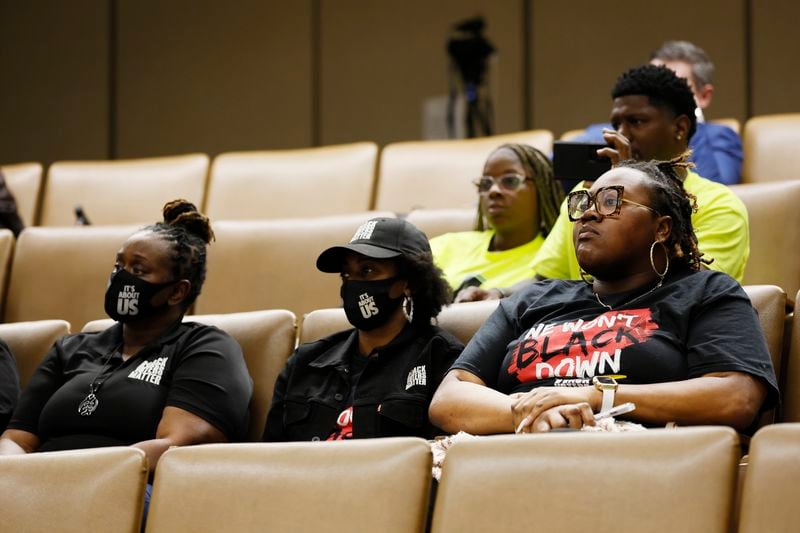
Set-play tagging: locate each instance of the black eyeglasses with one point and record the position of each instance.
(507, 182)
(607, 202)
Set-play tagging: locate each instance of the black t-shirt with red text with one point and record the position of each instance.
(556, 333)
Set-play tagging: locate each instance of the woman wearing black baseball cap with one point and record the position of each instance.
(377, 379)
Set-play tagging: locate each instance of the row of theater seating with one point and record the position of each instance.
(686, 479)
(61, 272)
(268, 338)
(317, 181)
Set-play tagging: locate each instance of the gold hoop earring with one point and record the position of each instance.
(587, 280)
(661, 275)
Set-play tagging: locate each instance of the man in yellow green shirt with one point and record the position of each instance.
(653, 115)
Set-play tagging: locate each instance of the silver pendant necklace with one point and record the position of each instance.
(89, 404)
(597, 296)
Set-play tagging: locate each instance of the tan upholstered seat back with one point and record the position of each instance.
(770, 148)
(790, 404)
(267, 340)
(121, 192)
(379, 485)
(731, 123)
(6, 252)
(30, 342)
(439, 174)
(63, 273)
(25, 182)
(271, 264)
(772, 485)
(311, 182)
(770, 303)
(774, 213)
(571, 134)
(658, 480)
(75, 491)
(435, 222)
(462, 320)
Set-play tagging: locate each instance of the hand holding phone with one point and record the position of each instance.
(579, 161)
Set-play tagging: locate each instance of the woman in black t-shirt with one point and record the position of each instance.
(377, 379)
(652, 326)
(150, 381)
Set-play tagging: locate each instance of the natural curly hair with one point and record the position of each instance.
(662, 87)
(549, 192)
(429, 290)
(189, 231)
(669, 197)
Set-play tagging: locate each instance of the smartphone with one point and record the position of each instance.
(579, 161)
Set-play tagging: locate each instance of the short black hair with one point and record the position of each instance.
(662, 87)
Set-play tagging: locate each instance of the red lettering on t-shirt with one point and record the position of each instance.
(344, 426)
(580, 348)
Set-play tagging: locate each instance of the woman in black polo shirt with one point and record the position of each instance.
(376, 380)
(150, 381)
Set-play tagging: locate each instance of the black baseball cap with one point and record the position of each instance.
(378, 238)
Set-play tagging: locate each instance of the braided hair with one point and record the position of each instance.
(548, 191)
(189, 231)
(669, 197)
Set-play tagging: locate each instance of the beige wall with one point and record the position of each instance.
(381, 60)
(776, 55)
(581, 46)
(53, 80)
(213, 76)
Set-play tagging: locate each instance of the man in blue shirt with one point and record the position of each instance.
(716, 149)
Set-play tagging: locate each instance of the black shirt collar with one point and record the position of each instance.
(339, 355)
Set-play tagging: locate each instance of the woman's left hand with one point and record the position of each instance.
(573, 415)
(532, 405)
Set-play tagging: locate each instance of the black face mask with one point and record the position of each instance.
(367, 304)
(128, 297)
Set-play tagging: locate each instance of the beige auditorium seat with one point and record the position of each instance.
(571, 134)
(435, 222)
(129, 191)
(770, 303)
(790, 401)
(24, 180)
(62, 273)
(292, 183)
(370, 485)
(6, 253)
(772, 485)
(462, 320)
(732, 123)
(271, 264)
(439, 174)
(774, 237)
(267, 340)
(73, 491)
(30, 342)
(658, 480)
(770, 148)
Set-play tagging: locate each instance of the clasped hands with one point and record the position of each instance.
(546, 408)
